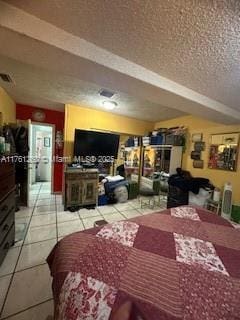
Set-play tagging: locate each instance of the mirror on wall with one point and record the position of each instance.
(148, 162)
(132, 158)
(223, 151)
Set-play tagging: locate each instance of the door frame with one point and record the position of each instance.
(53, 148)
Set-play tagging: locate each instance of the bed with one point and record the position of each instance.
(181, 263)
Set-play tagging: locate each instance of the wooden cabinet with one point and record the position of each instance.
(89, 191)
(81, 187)
(74, 192)
(7, 207)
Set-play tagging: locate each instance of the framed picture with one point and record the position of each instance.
(196, 155)
(199, 146)
(223, 152)
(198, 164)
(197, 137)
(46, 142)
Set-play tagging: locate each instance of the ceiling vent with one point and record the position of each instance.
(6, 77)
(106, 93)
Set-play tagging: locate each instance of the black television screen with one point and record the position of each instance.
(93, 143)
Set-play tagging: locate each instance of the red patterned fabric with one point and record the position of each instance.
(183, 263)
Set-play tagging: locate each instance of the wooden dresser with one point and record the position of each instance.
(81, 188)
(7, 207)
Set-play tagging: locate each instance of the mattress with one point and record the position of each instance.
(181, 263)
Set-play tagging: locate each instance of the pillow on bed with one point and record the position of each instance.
(127, 311)
(123, 312)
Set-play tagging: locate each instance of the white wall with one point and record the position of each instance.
(46, 154)
(44, 170)
(32, 154)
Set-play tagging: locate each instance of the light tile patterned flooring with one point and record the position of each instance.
(25, 282)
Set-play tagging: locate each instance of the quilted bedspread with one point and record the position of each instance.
(181, 263)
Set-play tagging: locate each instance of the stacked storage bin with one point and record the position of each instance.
(129, 142)
(155, 140)
(146, 141)
(136, 141)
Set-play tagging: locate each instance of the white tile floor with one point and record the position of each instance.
(25, 282)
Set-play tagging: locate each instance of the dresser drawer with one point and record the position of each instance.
(7, 184)
(7, 205)
(7, 243)
(80, 176)
(89, 176)
(6, 224)
(6, 168)
(70, 176)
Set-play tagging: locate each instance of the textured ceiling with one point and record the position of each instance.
(194, 43)
(36, 86)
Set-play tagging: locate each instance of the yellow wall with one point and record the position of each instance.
(85, 118)
(7, 107)
(198, 125)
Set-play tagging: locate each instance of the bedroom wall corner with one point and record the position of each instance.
(77, 117)
(207, 128)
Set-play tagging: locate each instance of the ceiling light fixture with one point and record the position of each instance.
(109, 105)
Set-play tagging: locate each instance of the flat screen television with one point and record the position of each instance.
(93, 143)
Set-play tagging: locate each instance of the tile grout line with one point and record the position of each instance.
(101, 214)
(31, 267)
(38, 304)
(122, 212)
(43, 213)
(42, 225)
(123, 215)
(81, 220)
(27, 244)
(117, 211)
(104, 218)
(96, 208)
(77, 219)
(21, 248)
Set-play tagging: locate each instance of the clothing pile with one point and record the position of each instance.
(185, 189)
(115, 187)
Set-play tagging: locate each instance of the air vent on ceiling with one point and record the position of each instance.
(106, 93)
(5, 77)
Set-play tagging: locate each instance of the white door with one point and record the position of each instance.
(27, 166)
(30, 161)
(41, 152)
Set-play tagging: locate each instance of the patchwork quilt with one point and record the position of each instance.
(181, 263)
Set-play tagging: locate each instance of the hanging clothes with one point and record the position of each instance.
(21, 141)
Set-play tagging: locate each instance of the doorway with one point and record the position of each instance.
(40, 173)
